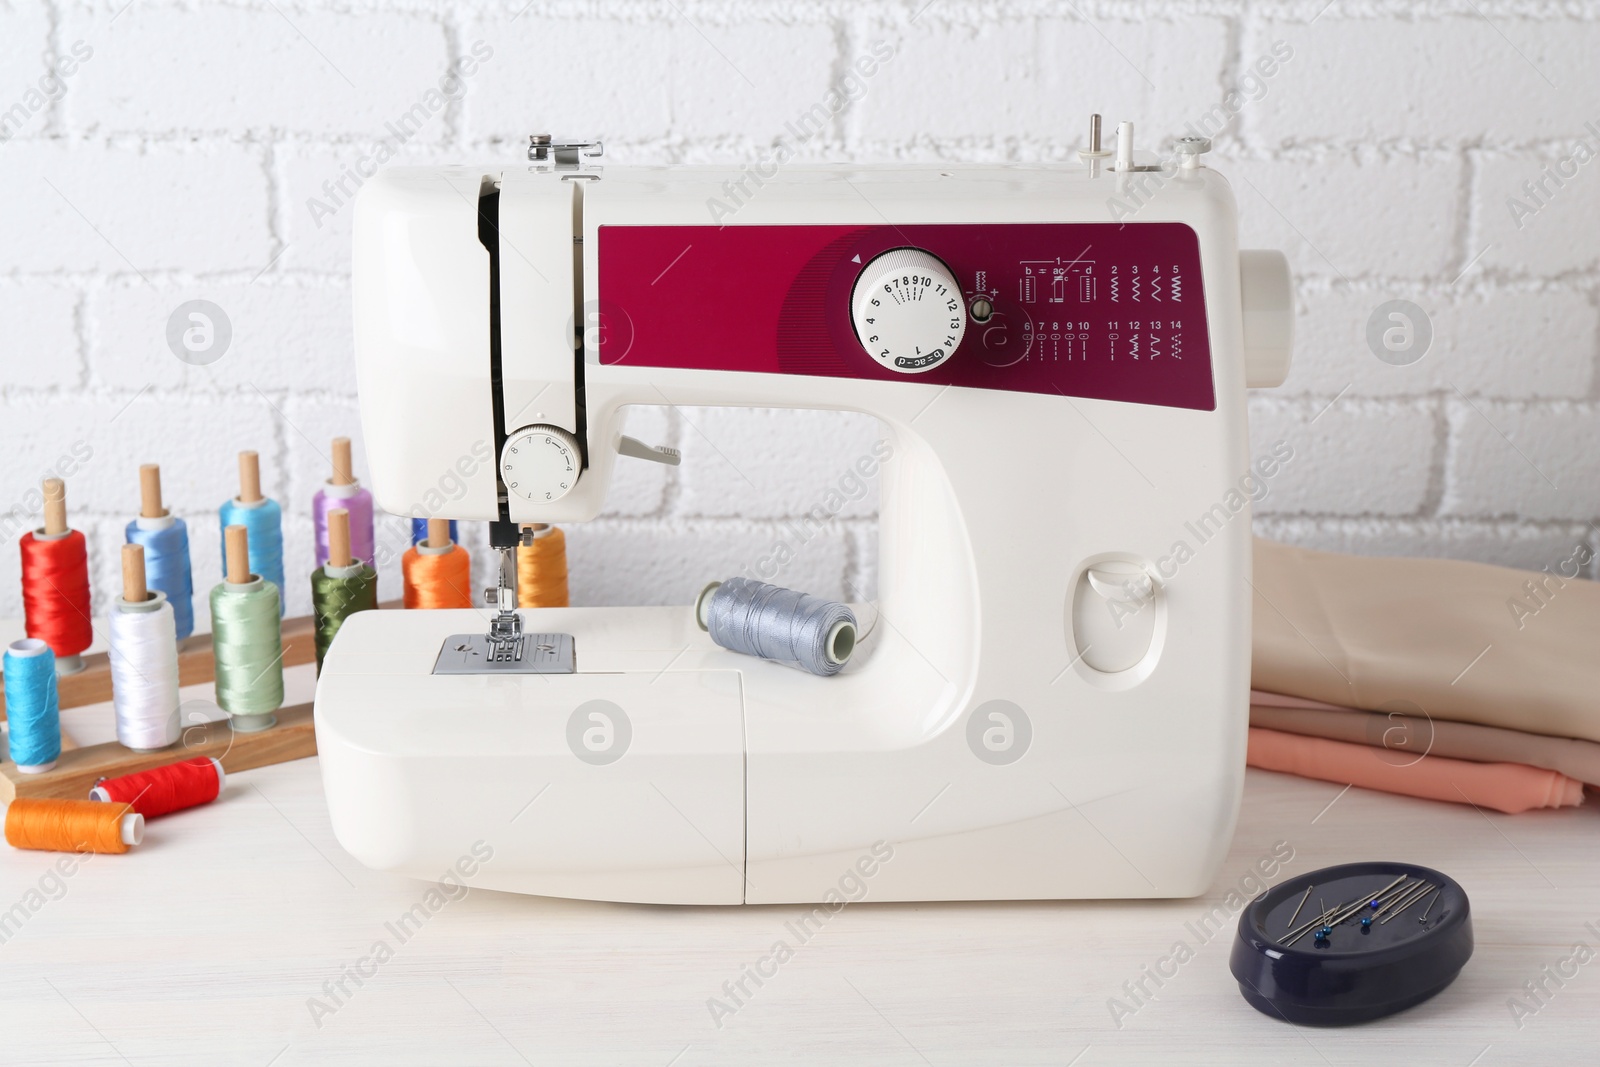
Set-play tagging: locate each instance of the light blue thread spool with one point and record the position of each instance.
(32, 705)
(264, 520)
(788, 627)
(166, 565)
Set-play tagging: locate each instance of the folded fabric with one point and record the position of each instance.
(1405, 737)
(1462, 641)
(1507, 787)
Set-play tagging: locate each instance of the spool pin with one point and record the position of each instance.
(339, 558)
(134, 589)
(249, 478)
(237, 540)
(343, 466)
(150, 492)
(55, 508)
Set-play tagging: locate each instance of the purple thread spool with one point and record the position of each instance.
(358, 502)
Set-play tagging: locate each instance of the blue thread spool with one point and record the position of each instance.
(419, 531)
(166, 564)
(32, 705)
(165, 541)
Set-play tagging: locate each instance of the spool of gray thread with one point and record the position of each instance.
(782, 625)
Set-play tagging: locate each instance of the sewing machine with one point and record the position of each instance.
(1049, 696)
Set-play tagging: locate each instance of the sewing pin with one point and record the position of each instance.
(1341, 912)
(1306, 928)
(1410, 900)
(1396, 900)
(1431, 903)
(1296, 915)
(1385, 896)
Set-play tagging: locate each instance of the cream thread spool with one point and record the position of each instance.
(144, 660)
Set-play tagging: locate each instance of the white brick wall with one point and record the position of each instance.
(1382, 156)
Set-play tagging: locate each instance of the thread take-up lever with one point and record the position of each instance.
(637, 449)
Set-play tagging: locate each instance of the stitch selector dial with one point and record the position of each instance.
(907, 311)
(540, 463)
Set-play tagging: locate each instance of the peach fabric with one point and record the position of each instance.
(1405, 735)
(1507, 787)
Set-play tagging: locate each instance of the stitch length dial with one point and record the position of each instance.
(540, 463)
(907, 311)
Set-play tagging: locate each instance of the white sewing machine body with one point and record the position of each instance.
(1055, 458)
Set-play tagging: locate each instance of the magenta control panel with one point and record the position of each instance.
(1099, 310)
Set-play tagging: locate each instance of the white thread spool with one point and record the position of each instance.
(144, 661)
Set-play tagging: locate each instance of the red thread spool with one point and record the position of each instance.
(163, 790)
(55, 591)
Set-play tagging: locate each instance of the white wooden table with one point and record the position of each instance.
(208, 943)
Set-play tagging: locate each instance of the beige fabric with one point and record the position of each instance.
(1464, 641)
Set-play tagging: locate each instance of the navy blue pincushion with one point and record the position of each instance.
(1351, 943)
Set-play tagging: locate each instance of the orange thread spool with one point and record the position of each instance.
(437, 580)
(542, 569)
(72, 825)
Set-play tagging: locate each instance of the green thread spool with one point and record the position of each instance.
(247, 644)
(336, 594)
